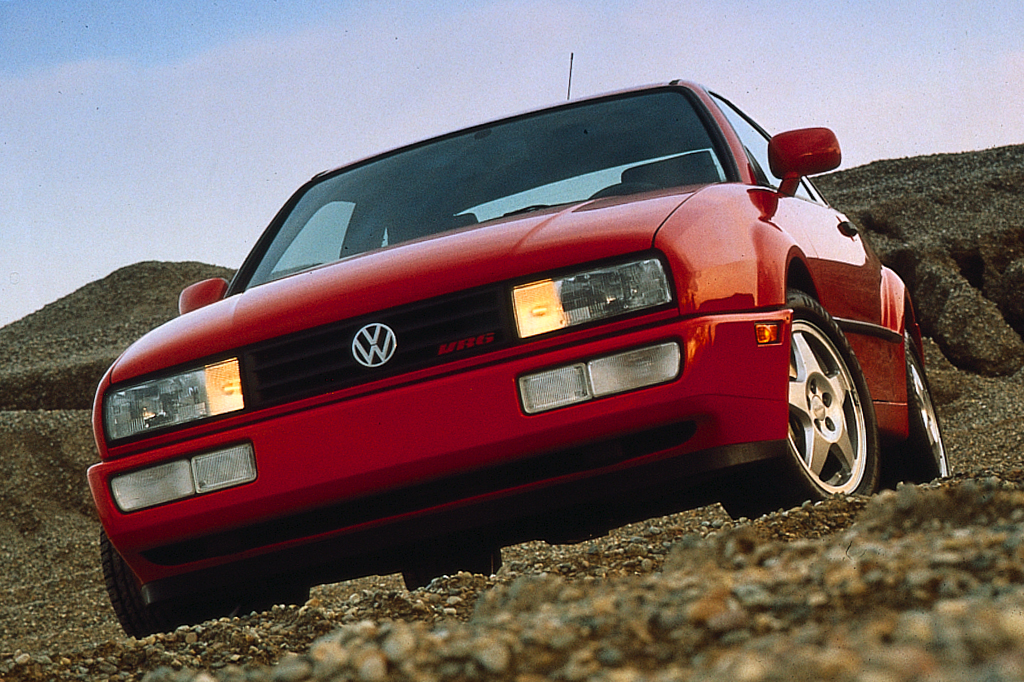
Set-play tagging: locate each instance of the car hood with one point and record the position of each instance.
(496, 251)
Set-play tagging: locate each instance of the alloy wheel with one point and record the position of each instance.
(927, 417)
(827, 427)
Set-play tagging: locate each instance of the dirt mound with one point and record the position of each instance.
(53, 361)
(54, 358)
(952, 225)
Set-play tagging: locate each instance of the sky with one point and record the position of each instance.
(173, 130)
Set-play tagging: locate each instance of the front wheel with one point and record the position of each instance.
(139, 619)
(136, 618)
(833, 435)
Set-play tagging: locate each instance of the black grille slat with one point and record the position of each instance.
(268, 383)
(320, 360)
(292, 352)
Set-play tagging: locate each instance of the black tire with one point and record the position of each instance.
(922, 457)
(137, 619)
(833, 433)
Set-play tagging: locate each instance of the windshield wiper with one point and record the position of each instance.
(527, 209)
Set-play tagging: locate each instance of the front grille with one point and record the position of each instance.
(429, 332)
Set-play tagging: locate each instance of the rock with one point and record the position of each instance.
(492, 655)
(1008, 294)
(969, 328)
(950, 225)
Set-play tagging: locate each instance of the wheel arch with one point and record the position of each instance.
(911, 326)
(898, 316)
(897, 310)
(798, 276)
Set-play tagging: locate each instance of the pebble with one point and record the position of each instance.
(952, 608)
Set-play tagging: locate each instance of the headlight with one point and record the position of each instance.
(205, 392)
(551, 304)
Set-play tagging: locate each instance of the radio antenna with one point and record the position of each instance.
(568, 93)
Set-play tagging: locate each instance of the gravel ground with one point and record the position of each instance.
(922, 583)
(926, 582)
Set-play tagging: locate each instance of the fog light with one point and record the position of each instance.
(634, 369)
(600, 377)
(224, 468)
(554, 388)
(183, 478)
(153, 486)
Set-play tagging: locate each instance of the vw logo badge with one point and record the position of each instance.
(374, 345)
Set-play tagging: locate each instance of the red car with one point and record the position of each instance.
(540, 327)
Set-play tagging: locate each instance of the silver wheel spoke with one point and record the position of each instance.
(846, 451)
(928, 419)
(820, 449)
(805, 361)
(841, 387)
(798, 397)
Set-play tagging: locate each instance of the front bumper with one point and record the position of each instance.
(351, 482)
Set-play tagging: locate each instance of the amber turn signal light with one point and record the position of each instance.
(767, 333)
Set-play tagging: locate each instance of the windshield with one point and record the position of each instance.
(616, 146)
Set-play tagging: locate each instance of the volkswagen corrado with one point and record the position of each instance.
(541, 327)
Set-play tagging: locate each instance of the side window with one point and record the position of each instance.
(755, 141)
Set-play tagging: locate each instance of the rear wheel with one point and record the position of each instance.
(922, 457)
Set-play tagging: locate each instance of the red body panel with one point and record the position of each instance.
(730, 249)
(361, 442)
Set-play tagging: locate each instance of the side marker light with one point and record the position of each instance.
(767, 333)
